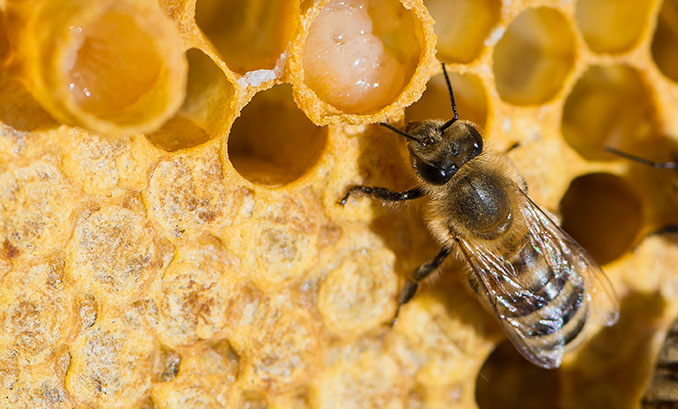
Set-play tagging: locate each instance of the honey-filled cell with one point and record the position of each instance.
(665, 40)
(360, 54)
(469, 96)
(608, 106)
(612, 26)
(206, 111)
(248, 34)
(272, 142)
(534, 56)
(462, 26)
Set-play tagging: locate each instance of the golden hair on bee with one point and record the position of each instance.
(542, 287)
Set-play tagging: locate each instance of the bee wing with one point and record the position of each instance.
(503, 291)
(560, 247)
(506, 290)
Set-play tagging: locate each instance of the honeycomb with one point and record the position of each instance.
(169, 171)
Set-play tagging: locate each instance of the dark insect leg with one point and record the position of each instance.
(419, 274)
(512, 147)
(668, 229)
(383, 193)
(523, 183)
(657, 165)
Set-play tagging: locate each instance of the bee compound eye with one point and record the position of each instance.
(477, 147)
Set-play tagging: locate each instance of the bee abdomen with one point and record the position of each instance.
(663, 389)
(538, 284)
(548, 308)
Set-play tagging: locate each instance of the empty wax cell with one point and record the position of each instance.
(112, 67)
(347, 64)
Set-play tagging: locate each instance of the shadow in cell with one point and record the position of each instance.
(609, 371)
(652, 167)
(508, 381)
(20, 110)
(603, 213)
(612, 369)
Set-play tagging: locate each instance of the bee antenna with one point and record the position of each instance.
(399, 132)
(657, 165)
(454, 106)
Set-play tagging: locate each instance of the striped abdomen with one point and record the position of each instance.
(546, 305)
(663, 389)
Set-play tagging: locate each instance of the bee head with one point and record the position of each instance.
(437, 148)
(440, 152)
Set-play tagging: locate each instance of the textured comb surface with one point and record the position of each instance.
(172, 239)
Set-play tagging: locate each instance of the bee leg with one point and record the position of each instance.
(419, 274)
(383, 193)
(523, 184)
(521, 181)
(512, 147)
(668, 229)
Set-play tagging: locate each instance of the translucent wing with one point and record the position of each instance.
(605, 305)
(504, 292)
(544, 293)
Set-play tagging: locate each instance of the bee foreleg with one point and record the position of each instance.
(419, 274)
(512, 147)
(383, 193)
(668, 229)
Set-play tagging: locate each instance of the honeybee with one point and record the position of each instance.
(543, 287)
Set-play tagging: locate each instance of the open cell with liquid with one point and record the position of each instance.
(112, 67)
(117, 67)
(360, 54)
(4, 42)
